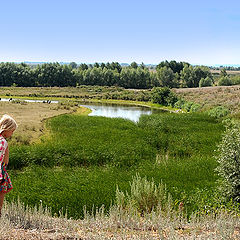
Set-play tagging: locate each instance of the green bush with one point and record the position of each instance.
(179, 104)
(218, 112)
(206, 82)
(229, 162)
(236, 80)
(225, 81)
(188, 105)
(164, 96)
(144, 196)
(195, 107)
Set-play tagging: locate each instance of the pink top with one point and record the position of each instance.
(3, 147)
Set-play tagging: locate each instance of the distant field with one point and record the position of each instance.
(231, 72)
(208, 97)
(58, 92)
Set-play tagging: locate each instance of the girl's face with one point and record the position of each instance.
(7, 133)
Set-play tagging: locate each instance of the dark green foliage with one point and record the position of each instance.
(191, 76)
(175, 66)
(168, 74)
(163, 96)
(206, 82)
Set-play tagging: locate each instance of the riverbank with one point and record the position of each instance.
(207, 97)
(85, 101)
(84, 94)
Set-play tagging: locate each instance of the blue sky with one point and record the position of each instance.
(150, 31)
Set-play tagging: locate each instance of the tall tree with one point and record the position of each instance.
(134, 65)
(166, 77)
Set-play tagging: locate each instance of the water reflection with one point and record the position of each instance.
(115, 110)
(106, 109)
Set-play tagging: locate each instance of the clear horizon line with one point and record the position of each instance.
(67, 62)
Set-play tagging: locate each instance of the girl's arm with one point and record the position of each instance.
(6, 156)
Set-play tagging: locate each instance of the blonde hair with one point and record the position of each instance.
(7, 123)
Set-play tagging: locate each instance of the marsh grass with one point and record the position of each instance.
(83, 159)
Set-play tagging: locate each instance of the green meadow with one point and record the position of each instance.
(82, 160)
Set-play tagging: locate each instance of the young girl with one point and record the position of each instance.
(7, 127)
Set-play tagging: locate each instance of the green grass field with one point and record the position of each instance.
(83, 159)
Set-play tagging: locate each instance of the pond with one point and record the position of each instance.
(118, 110)
(111, 110)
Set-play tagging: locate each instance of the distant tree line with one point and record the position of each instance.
(228, 68)
(167, 74)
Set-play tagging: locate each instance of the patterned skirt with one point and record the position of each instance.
(5, 184)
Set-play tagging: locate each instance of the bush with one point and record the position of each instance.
(164, 96)
(225, 81)
(144, 196)
(195, 107)
(218, 112)
(229, 162)
(235, 80)
(205, 82)
(187, 106)
(180, 104)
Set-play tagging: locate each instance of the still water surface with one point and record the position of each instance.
(116, 110)
(110, 110)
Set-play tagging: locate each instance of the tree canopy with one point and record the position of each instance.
(167, 74)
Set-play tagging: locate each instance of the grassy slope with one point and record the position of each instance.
(209, 97)
(86, 157)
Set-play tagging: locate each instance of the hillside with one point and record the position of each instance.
(208, 97)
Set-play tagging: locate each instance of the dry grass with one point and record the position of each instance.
(30, 117)
(230, 72)
(209, 97)
(20, 222)
(53, 92)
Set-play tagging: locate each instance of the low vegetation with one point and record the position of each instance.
(150, 179)
(22, 222)
(84, 158)
(30, 118)
(210, 97)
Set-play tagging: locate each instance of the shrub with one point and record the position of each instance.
(187, 106)
(229, 162)
(195, 107)
(164, 96)
(225, 81)
(236, 80)
(179, 104)
(144, 196)
(218, 112)
(206, 82)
